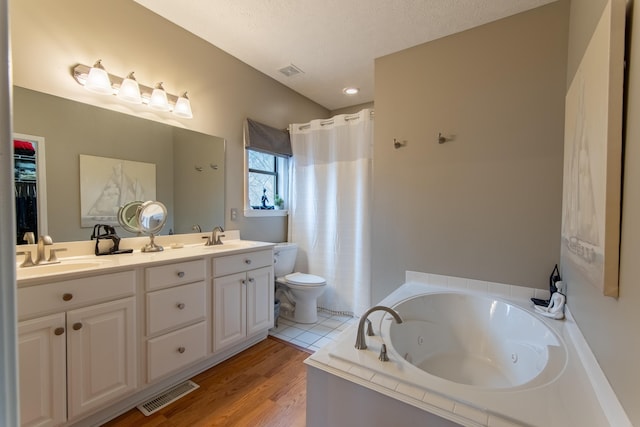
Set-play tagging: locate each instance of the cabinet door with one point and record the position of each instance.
(101, 354)
(259, 300)
(42, 358)
(229, 310)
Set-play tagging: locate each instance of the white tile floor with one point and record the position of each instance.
(312, 336)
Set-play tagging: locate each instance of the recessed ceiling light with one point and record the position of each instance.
(350, 90)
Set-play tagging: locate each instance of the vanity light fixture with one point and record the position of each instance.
(98, 79)
(128, 89)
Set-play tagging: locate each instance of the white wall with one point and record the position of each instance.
(609, 324)
(485, 205)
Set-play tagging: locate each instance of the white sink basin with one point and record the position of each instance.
(236, 244)
(60, 268)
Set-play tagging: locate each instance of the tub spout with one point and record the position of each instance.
(360, 340)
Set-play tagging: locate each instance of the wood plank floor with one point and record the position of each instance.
(264, 386)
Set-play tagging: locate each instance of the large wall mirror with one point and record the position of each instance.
(189, 166)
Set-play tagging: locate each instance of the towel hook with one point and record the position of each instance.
(397, 144)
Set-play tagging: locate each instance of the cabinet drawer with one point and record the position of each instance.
(175, 350)
(178, 273)
(231, 264)
(170, 308)
(69, 294)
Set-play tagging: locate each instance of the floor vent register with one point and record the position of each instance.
(167, 397)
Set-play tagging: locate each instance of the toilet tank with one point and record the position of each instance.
(284, 255)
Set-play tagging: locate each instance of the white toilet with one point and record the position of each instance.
(297, 292)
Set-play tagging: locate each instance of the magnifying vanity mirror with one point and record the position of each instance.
(128, 216)
(151, 218)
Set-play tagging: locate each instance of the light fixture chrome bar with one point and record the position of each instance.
(81, 71)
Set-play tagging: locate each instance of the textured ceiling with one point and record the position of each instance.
(334, 42)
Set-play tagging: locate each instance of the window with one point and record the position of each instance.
(267, 152)
(266, 183)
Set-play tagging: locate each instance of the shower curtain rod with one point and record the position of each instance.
(330, 121)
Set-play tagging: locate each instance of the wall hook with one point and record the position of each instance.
(397, 144)
(441, 139)
(198, 168)
(212, 166)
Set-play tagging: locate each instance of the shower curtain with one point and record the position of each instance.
(330, 207)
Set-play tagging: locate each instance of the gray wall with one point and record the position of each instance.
(485, 205)
(608, 323)
(54, 36)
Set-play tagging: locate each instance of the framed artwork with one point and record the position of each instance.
(592, 171)
(106, 184)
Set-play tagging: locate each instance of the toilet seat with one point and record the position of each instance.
(303, 279)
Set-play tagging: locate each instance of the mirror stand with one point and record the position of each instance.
(151, 246)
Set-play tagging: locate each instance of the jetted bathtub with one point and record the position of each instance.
(460, 357)
(474, 340)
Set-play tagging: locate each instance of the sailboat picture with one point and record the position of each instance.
(106, 184)
(593, 160)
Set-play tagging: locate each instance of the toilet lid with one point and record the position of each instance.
(304, 279)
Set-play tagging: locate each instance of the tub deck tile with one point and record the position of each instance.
(438, 401)
(471, 413)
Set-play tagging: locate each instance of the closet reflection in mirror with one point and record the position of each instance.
(30, 185)
(192, 192)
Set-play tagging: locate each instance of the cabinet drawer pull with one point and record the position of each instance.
(251, 280)
(247, 261)
(77, 326)
(180, 306)
(67, 297)
(181, 350)
(181, 274)
(59, 331)
(244, 282)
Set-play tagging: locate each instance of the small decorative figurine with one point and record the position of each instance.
(555, 309)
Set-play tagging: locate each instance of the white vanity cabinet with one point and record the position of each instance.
(42, 354)
(242, 297)
(76, 336)
(176, 316)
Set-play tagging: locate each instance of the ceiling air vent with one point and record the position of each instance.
(290, 70)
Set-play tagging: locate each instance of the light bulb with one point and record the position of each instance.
(129, 90)
(158, 100)
(183, 107)
(98, 79)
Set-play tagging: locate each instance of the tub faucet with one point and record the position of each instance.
(360, 340)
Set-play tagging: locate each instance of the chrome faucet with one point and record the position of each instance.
(42, 242)
(216, 234)
(360, 340)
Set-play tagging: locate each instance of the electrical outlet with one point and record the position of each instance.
(234, 214)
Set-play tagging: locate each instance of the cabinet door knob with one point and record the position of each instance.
(244, 282)
(247, 261)
(181, 350)
(67, 297)
(59, 331)
(77, 326)
(251, 280)
(181, 274)
(180, 305)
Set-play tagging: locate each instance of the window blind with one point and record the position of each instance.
(260, 137)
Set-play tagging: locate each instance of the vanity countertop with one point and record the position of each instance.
(81, 260)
